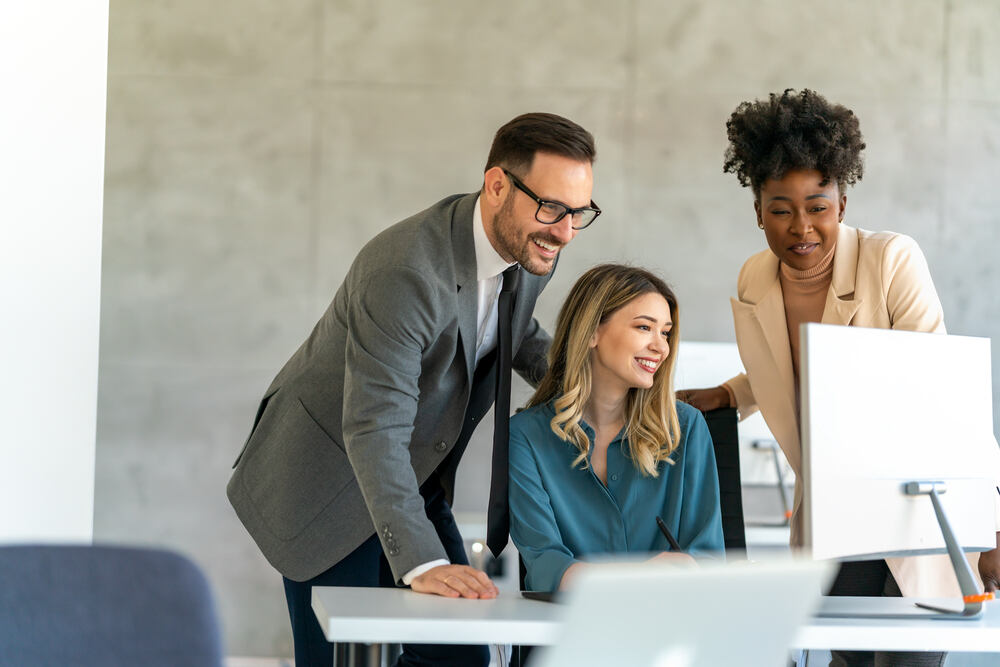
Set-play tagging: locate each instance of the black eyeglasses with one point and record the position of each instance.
(551, 212)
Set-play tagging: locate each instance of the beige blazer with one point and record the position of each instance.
(881, 280)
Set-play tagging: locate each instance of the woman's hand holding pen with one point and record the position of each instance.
(674, 558)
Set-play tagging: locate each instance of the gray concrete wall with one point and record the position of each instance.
(253, 147)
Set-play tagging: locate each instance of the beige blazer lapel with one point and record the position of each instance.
(841, 304)
(762, 338)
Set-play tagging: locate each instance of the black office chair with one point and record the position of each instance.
(722, 425)
(103, 606)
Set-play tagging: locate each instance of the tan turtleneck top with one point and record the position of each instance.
(804, 294)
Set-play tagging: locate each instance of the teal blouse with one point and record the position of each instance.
(560, 514)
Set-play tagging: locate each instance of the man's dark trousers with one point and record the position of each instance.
(367, 566)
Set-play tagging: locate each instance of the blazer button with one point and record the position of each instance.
(441, 446)
(394, 551)
(388, 535)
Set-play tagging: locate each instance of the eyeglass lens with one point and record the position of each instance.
(552, 212)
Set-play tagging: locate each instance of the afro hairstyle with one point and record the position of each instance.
(794, 130)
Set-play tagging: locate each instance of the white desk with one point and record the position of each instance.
(398, 615)
(387, 615)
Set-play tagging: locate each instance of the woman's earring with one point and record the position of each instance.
(760, 223)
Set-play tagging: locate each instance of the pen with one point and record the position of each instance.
(666, 534)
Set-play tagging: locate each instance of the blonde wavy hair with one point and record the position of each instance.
(651, 427)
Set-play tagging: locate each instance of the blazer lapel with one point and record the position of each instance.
(464, 250)
(762, 329)
(770, 314)
(841, 305)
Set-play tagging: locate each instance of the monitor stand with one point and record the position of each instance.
(972, 598)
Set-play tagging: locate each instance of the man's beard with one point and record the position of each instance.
(505, 229)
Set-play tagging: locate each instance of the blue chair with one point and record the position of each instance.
(91, 606)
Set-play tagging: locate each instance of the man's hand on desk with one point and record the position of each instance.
(989, 568)
(454, 581)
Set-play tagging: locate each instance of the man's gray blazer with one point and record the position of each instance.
(374, 400)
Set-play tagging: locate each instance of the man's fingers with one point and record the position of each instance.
(472, 577)
(433, 585)
(472, 583)
(455, 581)
(461, 586)
(484, 580)
(433, 582)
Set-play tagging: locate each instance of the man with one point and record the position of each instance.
(346, 478)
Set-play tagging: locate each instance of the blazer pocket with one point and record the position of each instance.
(256, 420)
(295, 471)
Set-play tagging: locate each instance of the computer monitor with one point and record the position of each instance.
(881, 409)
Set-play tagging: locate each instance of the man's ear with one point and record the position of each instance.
(495, 185)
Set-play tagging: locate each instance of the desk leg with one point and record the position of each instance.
(340, 655)
(519, 655)
(390, 653)
(357, 655)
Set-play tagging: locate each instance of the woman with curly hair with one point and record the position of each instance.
(798, 153)
(603, 448)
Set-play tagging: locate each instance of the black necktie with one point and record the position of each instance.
(497, 517)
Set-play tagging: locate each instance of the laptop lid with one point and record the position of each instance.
(655, 615)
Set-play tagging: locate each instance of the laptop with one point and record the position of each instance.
(655, 615)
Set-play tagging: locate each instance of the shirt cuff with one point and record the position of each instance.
(732, 396)
(745, 402)
(420, 569)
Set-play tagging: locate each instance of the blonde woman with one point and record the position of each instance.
(603, 447)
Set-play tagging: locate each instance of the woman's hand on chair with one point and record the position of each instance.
(989, 568)
(705, 399)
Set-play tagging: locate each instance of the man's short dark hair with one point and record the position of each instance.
(516, 143)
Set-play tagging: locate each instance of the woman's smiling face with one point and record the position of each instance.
(630, 346)
(801, 217)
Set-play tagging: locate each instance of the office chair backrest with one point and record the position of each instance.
(722, 424)
(91, 606)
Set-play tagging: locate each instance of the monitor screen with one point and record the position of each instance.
(881, 408)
